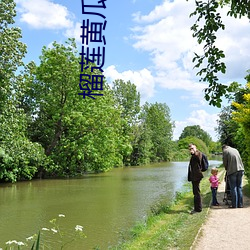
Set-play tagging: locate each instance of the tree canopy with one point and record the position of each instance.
(196, 131)
(19, 158)
(157, 121)
(78, 134)
(234, 120)
(201, 146)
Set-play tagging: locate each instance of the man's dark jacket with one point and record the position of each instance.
(194, 169)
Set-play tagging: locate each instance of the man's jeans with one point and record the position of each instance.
(235, 182)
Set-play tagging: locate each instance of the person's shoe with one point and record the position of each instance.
(194, 212)
(231, 206)
(241, 206)
(217, 204)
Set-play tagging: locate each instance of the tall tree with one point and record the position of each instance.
(157, 121)
(78, 134)
(227, 127)
(229, 130)
(12, 51)
(142, 145)
(208, 23)
(241, 115)
(128, 100)
(20, 158)
(196, 131)
(184, 142)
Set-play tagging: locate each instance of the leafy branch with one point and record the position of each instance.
(210, 63)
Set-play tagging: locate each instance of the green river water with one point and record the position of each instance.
(104, 204)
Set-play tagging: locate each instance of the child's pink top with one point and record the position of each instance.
(214, 181)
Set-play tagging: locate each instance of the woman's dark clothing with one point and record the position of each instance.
(197, 196)
(195, 175)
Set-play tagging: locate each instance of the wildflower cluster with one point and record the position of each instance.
(40, 239)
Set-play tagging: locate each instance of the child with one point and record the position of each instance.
(214, 185)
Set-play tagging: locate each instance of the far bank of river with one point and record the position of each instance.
(104, 204)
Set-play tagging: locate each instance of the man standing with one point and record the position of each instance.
(195, 175)
(235, 170)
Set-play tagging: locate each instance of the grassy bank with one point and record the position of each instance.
(170, 227)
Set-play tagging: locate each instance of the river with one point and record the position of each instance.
(104, 204)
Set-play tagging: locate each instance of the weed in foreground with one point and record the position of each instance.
(48, 238)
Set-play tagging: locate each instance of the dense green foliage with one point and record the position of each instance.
(127, 99)
(227, 127)
(78, 134)
(234, 123)
(19, 156)
(182, 143)
(207, 25)
(196, 131)
(159, 129)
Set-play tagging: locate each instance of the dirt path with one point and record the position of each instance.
(225, 228)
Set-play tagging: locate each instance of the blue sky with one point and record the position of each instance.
(148, 42)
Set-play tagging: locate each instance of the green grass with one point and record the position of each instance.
(246, 188)
(170, 226)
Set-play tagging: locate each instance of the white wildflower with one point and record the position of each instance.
(10, 242)
(78, 228)
(61, 215)
(20, 243)
(29, 238)
(54, 230)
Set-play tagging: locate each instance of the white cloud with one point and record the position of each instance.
(208, 122)
(44, 14)
(165, 33)
(170, 43)
(160, 11)
(75, 32)
(234, 41)
(143, 80)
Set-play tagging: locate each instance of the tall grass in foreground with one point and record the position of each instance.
(53, 237)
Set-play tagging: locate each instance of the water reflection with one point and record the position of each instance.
(105, 204)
